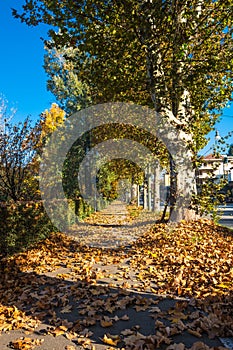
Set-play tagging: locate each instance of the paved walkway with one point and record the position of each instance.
(113, 227)
(114, 306)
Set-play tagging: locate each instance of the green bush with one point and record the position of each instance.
(82, 208)
(22, 224)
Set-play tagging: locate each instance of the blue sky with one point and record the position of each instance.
(22, 77)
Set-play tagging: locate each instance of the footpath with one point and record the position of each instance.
(86, 295)
(113, 227)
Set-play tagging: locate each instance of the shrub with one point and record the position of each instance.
(22, 223)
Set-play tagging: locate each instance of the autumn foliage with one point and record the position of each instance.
(58, 276)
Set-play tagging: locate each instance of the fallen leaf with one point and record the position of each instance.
(105, 324)
(109, 340)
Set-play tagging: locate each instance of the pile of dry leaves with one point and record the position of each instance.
(76, 290)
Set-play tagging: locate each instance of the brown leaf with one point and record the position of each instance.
(105, 324)
(179, 346)
(25, 343)
(200, 346)
(195, 333)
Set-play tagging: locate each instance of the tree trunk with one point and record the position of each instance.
(134, 193)
(145, 201)
(173, 184)
(185, 188)
(156, 206)
(149, 187)
(183, 175)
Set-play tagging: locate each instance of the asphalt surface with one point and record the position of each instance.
(226, 213)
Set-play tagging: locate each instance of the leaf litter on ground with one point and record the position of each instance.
(191, 261)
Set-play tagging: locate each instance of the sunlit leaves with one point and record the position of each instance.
(51, 119)
(111, 340)
(115, 45)
(63, 81)
(59, 278)
(25, 343)
(18, 144)
(12, 318)
(174, 57)
(190, 259)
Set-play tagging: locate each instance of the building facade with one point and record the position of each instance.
(216, 168)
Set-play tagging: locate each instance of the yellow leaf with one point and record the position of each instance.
(224, 285)
(107, 340)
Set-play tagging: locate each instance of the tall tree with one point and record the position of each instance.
(51, 119)
(176, 55)
(18, 179)
(6, 113)
(63, 81)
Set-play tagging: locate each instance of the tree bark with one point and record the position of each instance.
(156, 206)
(149, 187)
(145, 199)
(185, 188)
(134, 193)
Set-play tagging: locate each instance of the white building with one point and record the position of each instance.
(216, 167)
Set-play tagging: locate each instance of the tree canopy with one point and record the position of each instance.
(18, 178)
(172, 55)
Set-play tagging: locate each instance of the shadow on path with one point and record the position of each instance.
(75, 307)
